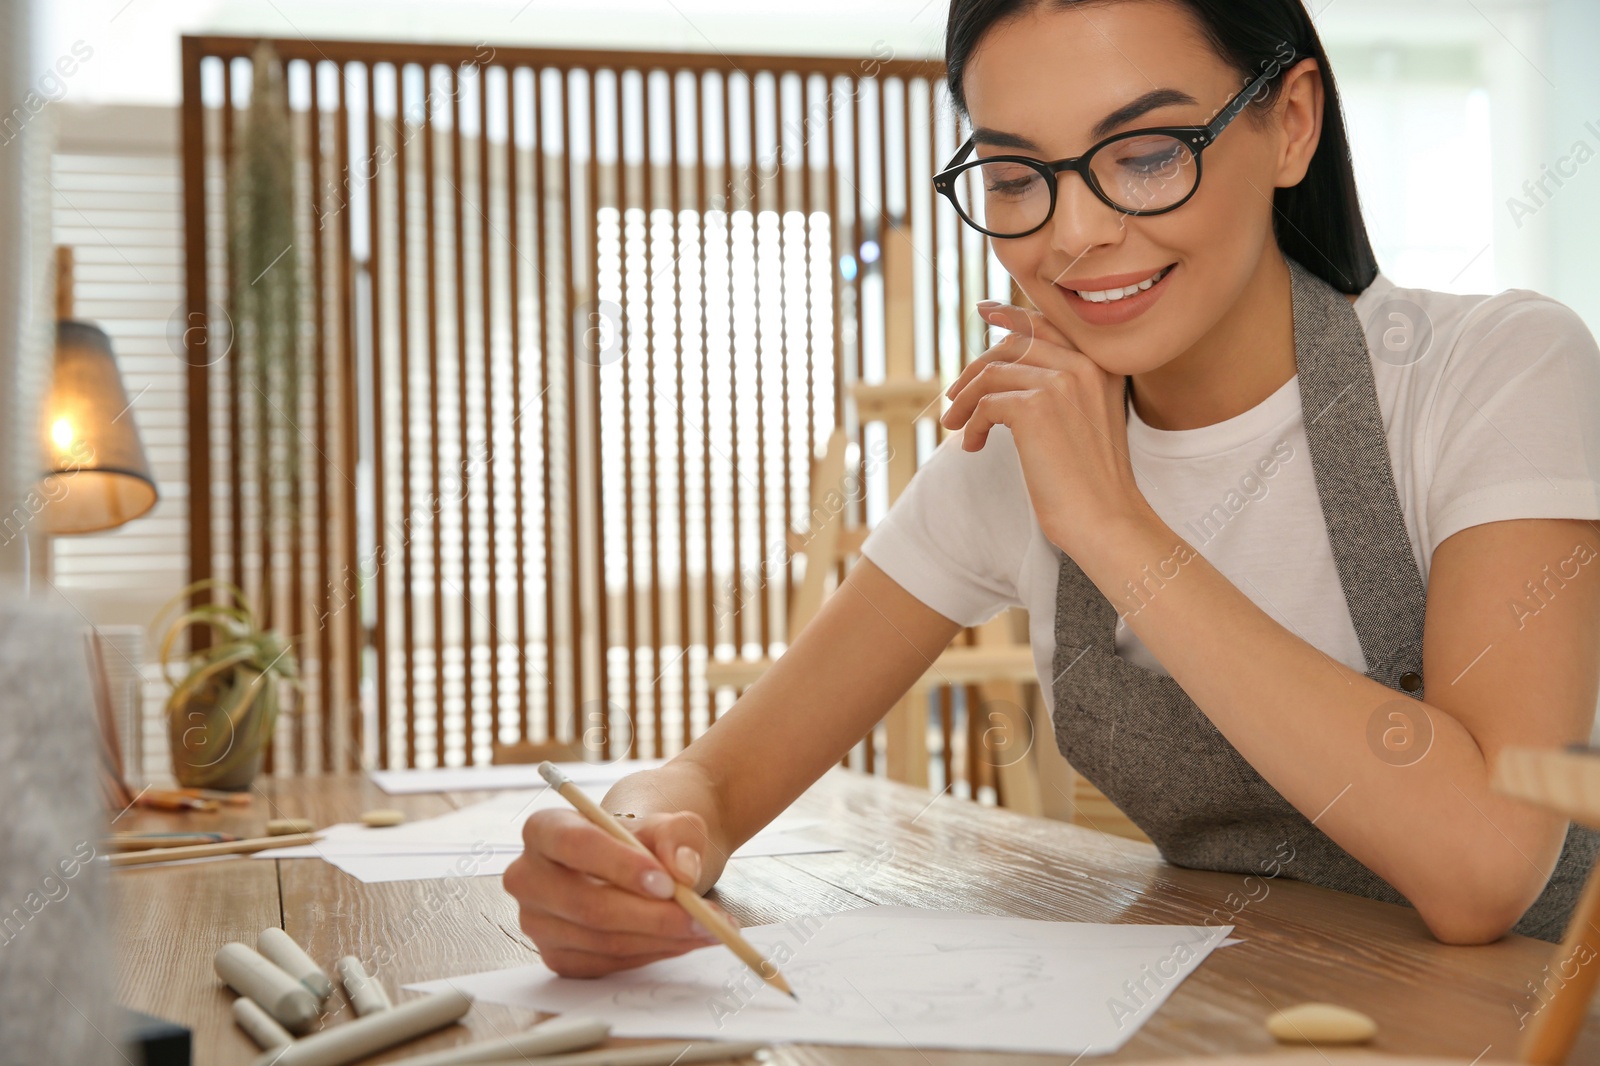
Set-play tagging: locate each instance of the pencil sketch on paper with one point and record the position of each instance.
(886, 977)
(865, 974)
(956, 973)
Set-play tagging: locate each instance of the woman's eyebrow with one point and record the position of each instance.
(1127, 113)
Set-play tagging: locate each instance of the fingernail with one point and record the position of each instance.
(702, 931)
(657, 883)
(988, 305)
(689, 863)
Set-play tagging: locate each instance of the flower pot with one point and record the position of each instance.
(217, 736)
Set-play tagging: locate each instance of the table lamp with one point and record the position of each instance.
(96, 475)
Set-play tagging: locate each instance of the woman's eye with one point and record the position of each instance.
(1013, 186)
(1151, 162)
(1010, 183)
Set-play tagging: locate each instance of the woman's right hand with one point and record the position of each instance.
(593, 906)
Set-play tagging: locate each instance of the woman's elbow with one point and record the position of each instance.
(1467, 927)
(1481, 915)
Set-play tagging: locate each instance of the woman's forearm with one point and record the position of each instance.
(867, 645)
(1469, 859)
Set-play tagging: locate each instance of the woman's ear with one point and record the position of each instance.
(1298, 115)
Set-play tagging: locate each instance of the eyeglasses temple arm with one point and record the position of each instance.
(960, 156)
(1240, 102)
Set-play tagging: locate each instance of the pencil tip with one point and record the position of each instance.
(794, 997)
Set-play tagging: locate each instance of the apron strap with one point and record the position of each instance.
(1355, 482)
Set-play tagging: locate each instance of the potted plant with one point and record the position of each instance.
(222, 710)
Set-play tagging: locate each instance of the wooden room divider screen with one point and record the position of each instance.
(575, 325)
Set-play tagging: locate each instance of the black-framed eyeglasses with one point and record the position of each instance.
(1140, 172)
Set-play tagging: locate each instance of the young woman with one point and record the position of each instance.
(1302, 551)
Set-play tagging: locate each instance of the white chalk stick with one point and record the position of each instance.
(280, 949)
(366, 994)
(555, 1035)
(249, 974)
(670, 1053)
(357, 1039)
(259, 1025)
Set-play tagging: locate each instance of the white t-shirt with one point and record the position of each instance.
(1498, 419)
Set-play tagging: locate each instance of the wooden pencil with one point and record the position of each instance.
(685, 896)
(146, 841)
(201, 851)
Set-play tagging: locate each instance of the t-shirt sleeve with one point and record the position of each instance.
(1515, 425)
(955, 538)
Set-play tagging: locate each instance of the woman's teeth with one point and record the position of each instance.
(1112, 295)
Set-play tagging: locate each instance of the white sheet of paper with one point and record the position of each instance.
(890, 977)
(492, 824)
(373, 868)
(496, 778)
(481, 840)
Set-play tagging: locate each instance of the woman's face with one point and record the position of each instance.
(1046, 79)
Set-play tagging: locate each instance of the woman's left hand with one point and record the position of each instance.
(1066, 416)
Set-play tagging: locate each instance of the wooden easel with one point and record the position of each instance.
(997, 662)
(998, 665)
(1031, 776)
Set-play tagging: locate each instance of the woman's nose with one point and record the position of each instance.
(1083, 221)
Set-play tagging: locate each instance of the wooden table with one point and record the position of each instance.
(901, 847)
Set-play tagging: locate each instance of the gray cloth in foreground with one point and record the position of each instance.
(55, 941)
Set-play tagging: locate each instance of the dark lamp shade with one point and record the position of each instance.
(96, 476)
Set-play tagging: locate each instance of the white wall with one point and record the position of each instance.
(1534, 59)
(136, 44)
(1573, 118)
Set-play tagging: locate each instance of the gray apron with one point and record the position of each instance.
(1139, 738)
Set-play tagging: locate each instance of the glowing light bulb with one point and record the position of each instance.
(61, 433)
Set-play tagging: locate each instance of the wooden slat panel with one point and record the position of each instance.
(573, 627)
(235, 419)
(403, 255)
(545, 381)
(198, 328)
(601, 629)
(735, 480)
(585, 600)
(326, 698)
(430, 194)
(486, 231)
(350, 736)
(709, 632)
(378, 444)
(463, 411)
(514, 256)
(631, 349)
(653, 503)
(675, 203)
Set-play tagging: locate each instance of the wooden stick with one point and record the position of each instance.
(64, 282)
(201, 851)
(1555, 1028)
(1567, 782)
(686, 897)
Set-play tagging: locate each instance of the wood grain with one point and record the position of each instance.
(1302, 943)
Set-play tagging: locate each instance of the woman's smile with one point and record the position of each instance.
(1111, 301)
